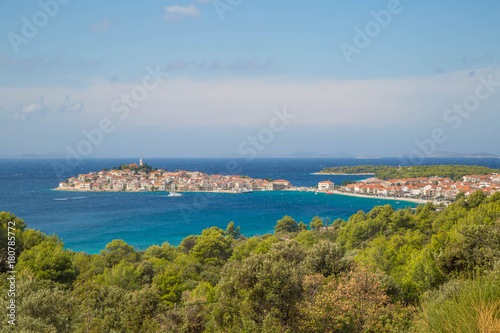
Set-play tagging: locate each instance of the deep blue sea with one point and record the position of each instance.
(88, 221)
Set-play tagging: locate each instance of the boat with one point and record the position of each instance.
(174, 194)
(330, 193)
(245, 190)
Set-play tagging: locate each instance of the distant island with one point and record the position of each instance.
(144, 178)
(448, 154)
(386, 172)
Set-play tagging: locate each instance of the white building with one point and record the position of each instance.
(326, 186)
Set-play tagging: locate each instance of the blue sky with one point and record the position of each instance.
(227, 66)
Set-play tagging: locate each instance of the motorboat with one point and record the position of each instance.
(174, 194)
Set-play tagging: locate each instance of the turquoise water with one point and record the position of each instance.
(88, 221)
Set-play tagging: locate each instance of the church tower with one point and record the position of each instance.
(140, 163)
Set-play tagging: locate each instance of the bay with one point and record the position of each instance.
(88, 221)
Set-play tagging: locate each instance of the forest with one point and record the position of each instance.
(429, 269)
(386, 172)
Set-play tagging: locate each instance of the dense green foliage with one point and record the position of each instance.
(357, 169)
(385, 270)
(386, 172)
(140, 168)
(348, 182)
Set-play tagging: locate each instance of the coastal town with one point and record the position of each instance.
(138, 178)
(132, 178)
(421, 188)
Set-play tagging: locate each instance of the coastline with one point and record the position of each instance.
(420, 201)
(176, 191)
(111, 191)
(342, 174)
(414, 200)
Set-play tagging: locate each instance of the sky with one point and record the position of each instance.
(241, 78)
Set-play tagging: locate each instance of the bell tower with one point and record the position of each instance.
(140, 162)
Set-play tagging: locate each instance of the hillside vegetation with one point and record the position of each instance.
(384, 270)
(386, 172)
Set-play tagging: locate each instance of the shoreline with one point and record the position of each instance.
(342, 174)
(414, 200)
(420, 201)
(111, 191)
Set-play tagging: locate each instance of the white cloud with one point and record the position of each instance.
(69, 106)
(367, 112)
(176, 12)
(39, 107)
(28, 109)
(383, 104)
(32, 107)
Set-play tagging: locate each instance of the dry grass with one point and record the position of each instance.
(488, 320)
(475, 309)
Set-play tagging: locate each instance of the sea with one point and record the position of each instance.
(87, 221)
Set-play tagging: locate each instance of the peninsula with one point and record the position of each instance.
(386, 172)
(144, 178)
(415, 183)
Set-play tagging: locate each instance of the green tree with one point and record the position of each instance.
(117, 251)
(123, 275)
(306, 239)
(232, 231)
(460, 196)
(475, 247)
(41, 306)
(188, 243)
(316, 223)
(475, 199)
(286, 224)
(326, 258)
(49, 261)
(212, 247)
(165, 251)
(355, 302)
(406, 259)
(169, 284)
(34, 237)
(108, 308)
(262, 291)
(253, 245)
(301, 226)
